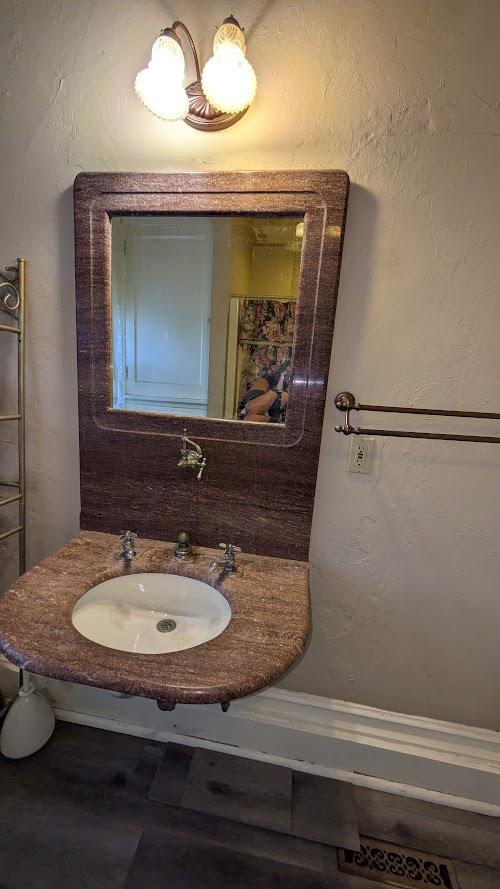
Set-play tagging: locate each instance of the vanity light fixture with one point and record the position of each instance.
(217, 98)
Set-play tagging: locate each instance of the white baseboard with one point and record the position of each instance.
(442, 762)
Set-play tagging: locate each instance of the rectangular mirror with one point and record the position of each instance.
(203, 314)
(205, 301)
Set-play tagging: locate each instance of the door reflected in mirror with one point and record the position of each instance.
(203, 314)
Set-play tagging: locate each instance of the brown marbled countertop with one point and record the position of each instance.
(269, 629)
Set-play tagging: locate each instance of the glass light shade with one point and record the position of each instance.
(228, 79)
(160, 86)
(167, 55)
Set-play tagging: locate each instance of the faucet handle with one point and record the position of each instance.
(227, 563)
(127, 552)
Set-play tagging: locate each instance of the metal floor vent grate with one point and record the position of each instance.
(397, 866)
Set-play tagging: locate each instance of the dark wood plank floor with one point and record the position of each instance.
(97, 810)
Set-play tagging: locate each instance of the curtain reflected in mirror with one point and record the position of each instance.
(203, 314)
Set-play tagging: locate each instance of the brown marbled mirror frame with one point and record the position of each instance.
(258, 467)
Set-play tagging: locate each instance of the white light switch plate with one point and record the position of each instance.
(360, 454)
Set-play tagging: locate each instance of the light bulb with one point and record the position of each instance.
(160, 86)
(228, 79)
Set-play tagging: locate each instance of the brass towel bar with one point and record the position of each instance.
(346, 402)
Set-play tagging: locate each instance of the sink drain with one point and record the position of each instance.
(166, 625)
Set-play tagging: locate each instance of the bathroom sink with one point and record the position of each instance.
(151, 613)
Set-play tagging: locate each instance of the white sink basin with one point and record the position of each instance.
(151, 613)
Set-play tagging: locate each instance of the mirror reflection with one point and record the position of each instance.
(203, 314)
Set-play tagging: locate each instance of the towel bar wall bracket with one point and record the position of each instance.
(346, 402)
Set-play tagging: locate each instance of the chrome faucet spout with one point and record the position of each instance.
(187, 441)
(191, 456)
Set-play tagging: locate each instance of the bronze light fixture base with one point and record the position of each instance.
(202, 115)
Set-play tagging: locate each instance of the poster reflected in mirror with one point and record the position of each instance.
(265, 349)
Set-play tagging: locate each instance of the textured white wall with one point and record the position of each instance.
(401, 94)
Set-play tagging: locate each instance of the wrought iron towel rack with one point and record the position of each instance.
(12, 304)
(346, 402)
